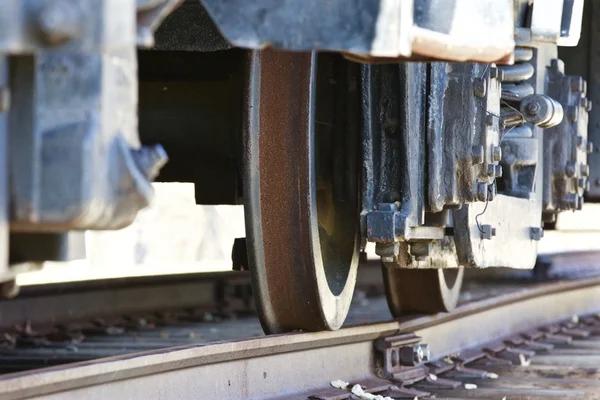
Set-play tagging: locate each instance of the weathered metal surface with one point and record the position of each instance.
(463, 134)
(520, 147)
(302, 365)
(566, 146)
(394, 147)
(412, 291)
(75, 160)
(512, 219)
(378, 28)
(584, 60)
(515, 214)
(301, 188)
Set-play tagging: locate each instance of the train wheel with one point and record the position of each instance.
(422, 291)
(301, 188)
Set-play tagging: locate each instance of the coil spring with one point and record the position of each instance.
(515, 88)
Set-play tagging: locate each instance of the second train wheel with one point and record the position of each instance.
(422, 291)
(301, 188)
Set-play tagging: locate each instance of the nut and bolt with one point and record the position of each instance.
(496, 153)
(491, 170)
(590, 147)
(585, 170)
(420, 250)
(532, 108)
(570, 169)
(59, 21)
(580, 141)
(577, 84)
(496, 73)
(482, 191)
(579, 203)
(571, 201)
(536, 233)
(487, 232)
(480, 87)
(581, 183)
(477, 153)
(573, 113)
(498, 171)
(387, 251)
(414, 355)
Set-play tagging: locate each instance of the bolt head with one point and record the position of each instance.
(570, 169)
(536, 233)
(590, 147)
(477, 154)
(59, 21)
(498, 171)
(585, 170)
(496, 153)
(532, 108)
(487, 232)
(482, 189)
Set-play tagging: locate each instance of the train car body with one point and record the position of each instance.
(448, 133)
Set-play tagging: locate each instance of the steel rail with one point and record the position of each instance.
(287, 365)
(55, 303)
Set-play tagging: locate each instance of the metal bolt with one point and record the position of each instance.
(477, 153)
(533, 108)
(588, 186)
(59, 21)
(482, 189)
(487, 232)
(480, 87)
(579, 203)
(414, 355)
(496, 73)
(589, 106)
(571, 201)
(536, 233)
(4, 99)
(577, 84)
(581, 183)
(580, 141)
(585, 170)
(583, 102)
(590, 147)
(570, 169)
(496, 153)
(489, 120)
(491, 170)
(572, 113)
(420, 250)
(498, 171)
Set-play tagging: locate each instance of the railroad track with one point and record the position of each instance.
(526, 337)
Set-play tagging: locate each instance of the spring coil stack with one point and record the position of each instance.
(519, 147)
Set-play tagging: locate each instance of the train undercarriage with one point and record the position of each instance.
(449, 134)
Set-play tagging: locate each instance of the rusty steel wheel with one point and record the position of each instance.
(422, 291)
(301, 188)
